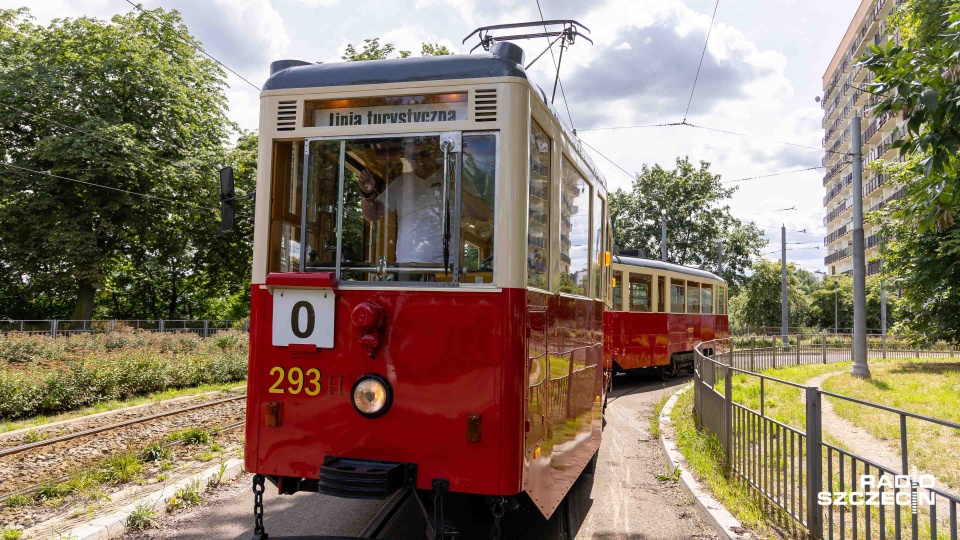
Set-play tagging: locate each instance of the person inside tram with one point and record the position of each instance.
(416, 196)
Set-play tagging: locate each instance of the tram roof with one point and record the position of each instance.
(395, 70)
(668, 267)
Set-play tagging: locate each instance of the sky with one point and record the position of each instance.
(762, 69)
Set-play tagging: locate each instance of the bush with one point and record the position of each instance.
(94, 368)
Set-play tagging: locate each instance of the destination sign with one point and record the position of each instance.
(389, 110)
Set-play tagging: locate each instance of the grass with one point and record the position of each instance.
(17, 501)
(705, 456)
(114, 404)
(154, 452)
(12, 534)
(142, 517)
(188, 495)
(655, 417)
(121, 468)
(926, 387)
(190, 436)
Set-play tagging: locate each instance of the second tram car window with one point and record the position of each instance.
(640, 289)
(538, 233)
(661, 294)
(707, 298)
(721, 301)
(677, 296)
(693, 297)
(596, 251)
(618, 290)
(574, 231)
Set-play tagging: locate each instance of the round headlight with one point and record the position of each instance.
(371, 395)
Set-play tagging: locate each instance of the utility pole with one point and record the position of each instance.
(784, 301)
(883, 314)
(663, 238)
(860, 368)
(720, 259)
(836, 305)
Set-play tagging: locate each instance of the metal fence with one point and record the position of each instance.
(58, 327)
(790, 467)
(759, 352)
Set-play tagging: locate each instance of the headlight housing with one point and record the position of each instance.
(371, 395)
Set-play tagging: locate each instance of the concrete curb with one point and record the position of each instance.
(712, 511)
(115, 524)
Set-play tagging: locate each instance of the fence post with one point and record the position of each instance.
(728, 418)
(206, 329)
(814, 462)
(53, 328)
(799, 338)
(113, 325)
(753, 346)
(161, 326)
(824, 338)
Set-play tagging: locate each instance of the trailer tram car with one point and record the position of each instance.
(431, 269)
(661, 311)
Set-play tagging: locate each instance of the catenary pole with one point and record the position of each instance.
(860, 368)
(784, 301)
(663, 238)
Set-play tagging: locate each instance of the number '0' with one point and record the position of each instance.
(295, 319)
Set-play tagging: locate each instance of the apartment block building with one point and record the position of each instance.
(843, 98)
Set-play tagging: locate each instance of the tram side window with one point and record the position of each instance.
(640, 288)
(538, 233)
(618, 291)
(677, 296)
(286, 207)
(661, 294)
(574, 231)
(693, 297)
(596, 253)
(707, 298)
(721, 300)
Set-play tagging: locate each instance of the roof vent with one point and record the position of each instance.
(286, 115)
(508, 51)
(485, 105)
(638, 253)
(280, 65)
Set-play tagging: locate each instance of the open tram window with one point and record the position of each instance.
(706, 294)
(574, 231)
(721, 300)
(596, 247)
(677, 296)
(618, 290)
(640, 289)
(693, 297)
(538, 219)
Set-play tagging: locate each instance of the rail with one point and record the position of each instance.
(792, 468)
(62, 327)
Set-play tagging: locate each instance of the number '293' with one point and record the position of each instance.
(311, 382)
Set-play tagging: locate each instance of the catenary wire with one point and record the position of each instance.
(612, 162)
(557, 67)
(700, 65)
(195, 46)
(770, 175)
(134, 193)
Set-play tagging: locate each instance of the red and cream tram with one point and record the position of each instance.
(661, 311)
(431, 269)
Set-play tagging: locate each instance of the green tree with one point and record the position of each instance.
(698, 219)
(372, 50)
(758, 301)
(128, 104)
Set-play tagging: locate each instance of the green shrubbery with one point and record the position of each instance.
(41, 375)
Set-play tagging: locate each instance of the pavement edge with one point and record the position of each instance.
(710, 509)
(115, 524)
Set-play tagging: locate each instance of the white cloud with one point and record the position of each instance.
(626, 46)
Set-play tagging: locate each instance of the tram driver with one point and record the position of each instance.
(416, 197)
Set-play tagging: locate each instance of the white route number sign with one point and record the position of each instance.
(302, 316)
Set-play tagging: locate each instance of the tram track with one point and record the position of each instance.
(25, 468)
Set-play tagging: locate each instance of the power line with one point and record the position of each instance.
(195, 46)
(700, 65)
(769, 175)
(612, 162)
(134, 193)
(557, 67)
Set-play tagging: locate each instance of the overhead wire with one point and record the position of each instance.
(195, 46)
(702, 55)
(557, 67)
(111, 188)
(770, 175)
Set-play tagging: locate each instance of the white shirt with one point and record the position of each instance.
(417, 202)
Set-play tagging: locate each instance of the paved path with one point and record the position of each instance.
(622, 501)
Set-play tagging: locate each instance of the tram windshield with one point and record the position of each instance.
(401, 212)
